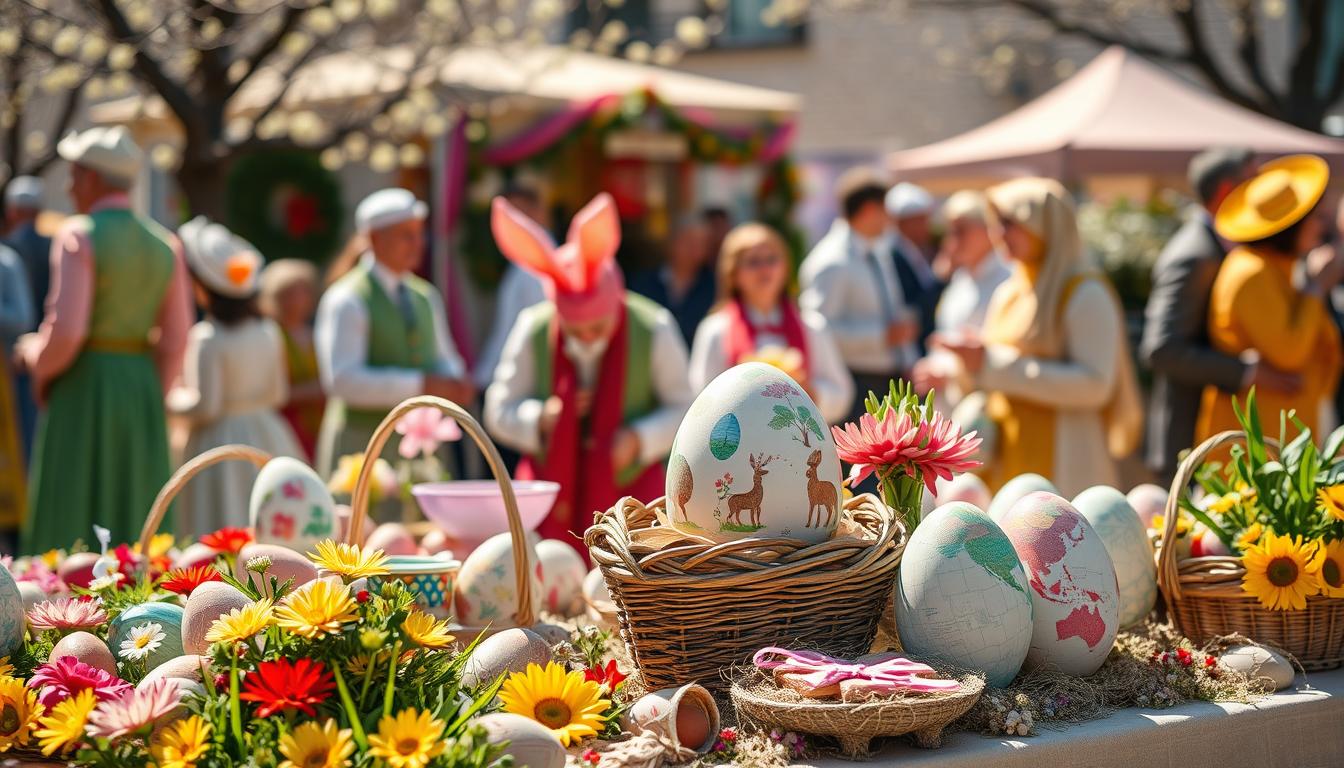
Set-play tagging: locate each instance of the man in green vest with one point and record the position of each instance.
(382, 333)
(592, 384)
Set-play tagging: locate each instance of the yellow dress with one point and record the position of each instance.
(1254, 306)
(13, 495)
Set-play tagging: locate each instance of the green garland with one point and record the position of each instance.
(286, 204)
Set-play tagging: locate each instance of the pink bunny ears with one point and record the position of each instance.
(581, 275)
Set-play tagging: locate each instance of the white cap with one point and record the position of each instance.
(109, 151)
(24, 192)
(906, 199)
(387, 207)
(226, 263)
(967, 204)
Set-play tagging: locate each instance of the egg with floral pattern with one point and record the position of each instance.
(486, 591)
(290, 506)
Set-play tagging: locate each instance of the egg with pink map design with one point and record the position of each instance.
(1074, 593)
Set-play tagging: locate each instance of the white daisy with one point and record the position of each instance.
(144, 640)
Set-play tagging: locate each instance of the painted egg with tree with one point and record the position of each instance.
(1126, 541)
(753, 457)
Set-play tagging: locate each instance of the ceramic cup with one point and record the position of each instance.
(429, 578)
(687, 715)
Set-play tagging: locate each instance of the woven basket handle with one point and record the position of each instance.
(359, 502)
(185, 473)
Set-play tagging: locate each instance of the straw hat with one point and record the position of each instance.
(1281, 193)
(223, 261)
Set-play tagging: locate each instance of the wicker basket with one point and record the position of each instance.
(1205, 599)
(185, 473)
(690, 610)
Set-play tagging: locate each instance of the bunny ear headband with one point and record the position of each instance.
(581, 276)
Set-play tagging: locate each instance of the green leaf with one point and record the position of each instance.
(1333, 443)
(1225, 536)
(783, 417)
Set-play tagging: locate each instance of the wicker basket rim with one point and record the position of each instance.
(971, 686)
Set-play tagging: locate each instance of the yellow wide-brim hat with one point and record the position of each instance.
(1281, 193)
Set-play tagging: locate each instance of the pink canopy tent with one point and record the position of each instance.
(1118, 115)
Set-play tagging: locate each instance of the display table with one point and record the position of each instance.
(1301, 727)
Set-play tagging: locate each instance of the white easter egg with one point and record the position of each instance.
(753, 457)
(487, 589)
(12, 618)
(528, 742)
(207, 602)
(1015, 489)
(31, 593)
(562, 574)
(291, 506)
(1074, 594)
(962, 595)
(508, 651)
(1148, 500)
(1126, 541)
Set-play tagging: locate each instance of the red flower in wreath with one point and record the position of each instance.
(183, 581)
(284, 684)
(229, 540)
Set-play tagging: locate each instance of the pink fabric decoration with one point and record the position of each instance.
(423, 431)
(893, 675)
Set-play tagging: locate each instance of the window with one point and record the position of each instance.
(745, 27)
(593, 14)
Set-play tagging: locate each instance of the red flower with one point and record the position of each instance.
(1210, 661)
(728, 734)
(923, 449)
(591, 756)
(362, 596)
(229, 540)
(127, 561)
(1185, 657)
(610, 676)
(183, 581)
(283, 684)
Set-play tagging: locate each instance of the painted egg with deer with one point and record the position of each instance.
(753, 457)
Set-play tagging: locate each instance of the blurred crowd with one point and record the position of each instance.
(119, 332)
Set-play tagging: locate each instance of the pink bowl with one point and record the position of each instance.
(471, 511)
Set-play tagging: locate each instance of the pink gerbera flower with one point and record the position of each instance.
(138, 709)
(58, 680)
(68, 613)
(925, 449)
(423, 430)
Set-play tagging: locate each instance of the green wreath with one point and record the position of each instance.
(286, 204)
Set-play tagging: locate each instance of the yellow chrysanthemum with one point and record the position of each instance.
(1279, 573)
(1249, 536)
(425, 632)
(562, 701)
(6, 668)
(182, 743)
(316, 609)
(159, 545)
(349, 561)
(1182, 524)
(1329, 568)
(316, 746)
(1248, 494)
(241, 624)
(51, 558)
(1331, 500)
(409, 740)
(64, 727)
(1225, 502)
(19, 712)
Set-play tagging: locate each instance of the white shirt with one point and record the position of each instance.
(966, 298)
(837, 279)
(829, 378)
(512, 412)
(341, 337)
(518, 290)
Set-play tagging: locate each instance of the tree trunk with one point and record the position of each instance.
(203, 183)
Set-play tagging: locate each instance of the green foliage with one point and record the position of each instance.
(1126, 238)
(286, 204)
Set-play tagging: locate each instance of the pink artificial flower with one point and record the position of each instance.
(58, 680)
(66, 614)
(139, 708)
(45, 578)
(423, 430)
(926, 450)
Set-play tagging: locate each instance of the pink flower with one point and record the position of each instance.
(139, 708)
(67, 613)
(923, 449)
(423, 430)
(58, 680)
(44, 577)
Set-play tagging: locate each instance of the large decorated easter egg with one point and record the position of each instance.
(11, 614)
(1015, 489)
(753, 457)
(1074, 595)
(143, 624)
(962, 595)
(1126, 541)
(487, 587)
(291, 506)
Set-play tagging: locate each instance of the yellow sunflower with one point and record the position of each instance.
(241, 624)
(6, 668)
(316, 609)
(1249, 536)
(349, 561)
(425, 632)
(64, 727)
(1278, 572)
(562, 701)
(317, 746)
(1227, 501)
(19, 712)
(1329, 567)
(409, 740)
(181, 744)
(1331, 500)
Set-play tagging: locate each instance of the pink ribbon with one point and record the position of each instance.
(821, 671)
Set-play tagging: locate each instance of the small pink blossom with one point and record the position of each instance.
(423, 430)
(66, 614)
(925, 449)
(139, 708)
(58, 680)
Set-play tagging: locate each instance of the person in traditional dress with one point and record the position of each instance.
(289, 290)
(756, 319)
(233, 379)
(16, 318)
(1053, 358)
(1257, 310)
(382, 332)
(97, 361)
(24, 197)
(591, 386)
